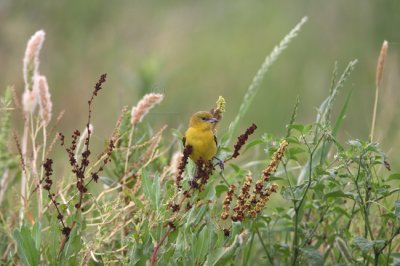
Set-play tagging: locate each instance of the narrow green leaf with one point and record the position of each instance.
(339, 194)
(178, 134)
(395, 176)
(72, 247)
(253, 143)
(312, 256)
(151, 189)
(37, 233)
(219, 189)
(303, 129)
(363, 244)
(342, 114)
(27, 251)
(108, 181)
(397, 208)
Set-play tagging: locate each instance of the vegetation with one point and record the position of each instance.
(305, 198)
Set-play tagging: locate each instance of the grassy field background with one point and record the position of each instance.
(315, 193)
(195, 51)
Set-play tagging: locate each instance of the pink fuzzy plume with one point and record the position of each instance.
(144, 106)
(31, 71)
(31, 58)
(44, 99)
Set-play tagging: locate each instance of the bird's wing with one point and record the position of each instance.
(184, 141)
(216, 141)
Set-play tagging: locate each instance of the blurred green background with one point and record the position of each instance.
(194, 51)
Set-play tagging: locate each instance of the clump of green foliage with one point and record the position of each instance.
(318, 201)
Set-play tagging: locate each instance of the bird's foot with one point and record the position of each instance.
(220, 163)
(193, 183)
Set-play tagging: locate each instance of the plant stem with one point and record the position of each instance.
(247, 254)
(153, 258)
(128, 150)
(374, 113)
(297, 210)
(264, 246)
(24, 177)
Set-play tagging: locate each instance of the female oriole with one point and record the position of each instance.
(200, 136)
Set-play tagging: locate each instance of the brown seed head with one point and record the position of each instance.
(381, 62)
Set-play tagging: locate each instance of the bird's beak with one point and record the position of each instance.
(213, 120)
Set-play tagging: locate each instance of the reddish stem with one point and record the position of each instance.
(153, 259)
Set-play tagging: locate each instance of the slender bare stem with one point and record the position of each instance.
(24, 176)
(374, 113)
(128, 149)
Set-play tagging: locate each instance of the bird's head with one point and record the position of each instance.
(203, 120)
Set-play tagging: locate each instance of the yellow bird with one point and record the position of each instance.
(200, 136)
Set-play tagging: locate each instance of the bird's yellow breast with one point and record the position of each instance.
(202, 142)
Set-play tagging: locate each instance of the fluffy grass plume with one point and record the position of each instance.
(30, 70)
(378, 83)
(45, 102)
(144, 106)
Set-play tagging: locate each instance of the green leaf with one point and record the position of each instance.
(235, 167)
(201, 243)
(325, 108)
(53, 241)
(312, 256)
(292, 140)
(72, 247)
(37, 233)
(395, 176)
(151, 189)
(276, 178)
(178, 134)
(363, 244)
(339, 194)
(338, 210)
(108, 181)
(138, 202)
(219, 189)
(342, 114)
(291, 152)
(295, 150)
(343, 248)
(27, 251)
(355, 143)
(253, 143)
(397, 208)
(221, 255)
(63, 207)
(303, 129)
(389, 215)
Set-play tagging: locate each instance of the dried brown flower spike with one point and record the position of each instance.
(242, 140)
(186, 152)
(276, 158)
(250, 204)
(227, 202)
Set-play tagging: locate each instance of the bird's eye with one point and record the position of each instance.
(204, 118)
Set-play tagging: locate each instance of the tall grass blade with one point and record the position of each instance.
(326, 106)
(293, 117)
(324, 114)
(253, 88)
